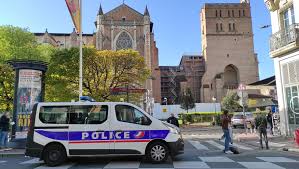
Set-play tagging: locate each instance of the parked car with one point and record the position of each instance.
(238, 119)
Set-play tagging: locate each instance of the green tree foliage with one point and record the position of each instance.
(17, 43)
(187, 101)
(102, 71)
(230, 102)
(6, 87)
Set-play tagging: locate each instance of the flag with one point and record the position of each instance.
(74, 9)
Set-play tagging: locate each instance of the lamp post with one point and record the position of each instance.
(214, 101)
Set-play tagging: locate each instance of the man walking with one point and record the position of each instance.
(261, 126)
(225, 119)
(173, 120)
(4, 126)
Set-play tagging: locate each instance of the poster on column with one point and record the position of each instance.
(29, 93)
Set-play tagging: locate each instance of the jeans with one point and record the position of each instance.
(3, 138)
(227, 139)
(263, 133)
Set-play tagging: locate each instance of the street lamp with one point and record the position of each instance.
(214, 101)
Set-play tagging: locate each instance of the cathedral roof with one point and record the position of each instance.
(123, 6)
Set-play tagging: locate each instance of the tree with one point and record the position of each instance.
(102, 71)
(230, 102)
(187, 101)
(16, 43)
(6, 87)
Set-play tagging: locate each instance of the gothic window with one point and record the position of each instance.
(217, 28)
(228, 12)
(124, 41)
(233, 13)
(216, 13)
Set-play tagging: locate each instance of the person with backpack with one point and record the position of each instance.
(261, 126)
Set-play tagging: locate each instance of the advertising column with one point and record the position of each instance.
(29, 89)
(28, 93)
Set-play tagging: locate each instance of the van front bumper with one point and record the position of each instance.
(177, 147)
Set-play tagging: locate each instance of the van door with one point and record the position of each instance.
(89, 130)
(131, 130)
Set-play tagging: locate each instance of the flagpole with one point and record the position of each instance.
(81, 54)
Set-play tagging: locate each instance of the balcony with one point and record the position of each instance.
(284, 41)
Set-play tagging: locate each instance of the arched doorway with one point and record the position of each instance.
(231, 76)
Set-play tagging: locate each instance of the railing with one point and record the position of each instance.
(284, 37)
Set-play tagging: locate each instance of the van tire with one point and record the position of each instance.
(54, 155)
(157, 152)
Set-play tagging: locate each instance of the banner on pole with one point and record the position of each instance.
(74, 9)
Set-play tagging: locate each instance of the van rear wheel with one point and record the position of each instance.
(157, 152)
(54, 155)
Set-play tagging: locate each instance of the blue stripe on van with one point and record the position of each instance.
(105, 135)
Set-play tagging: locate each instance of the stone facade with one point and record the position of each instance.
(227, 47)
(120, 28)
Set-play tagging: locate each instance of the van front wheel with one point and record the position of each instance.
(157, 152)
(54, 155)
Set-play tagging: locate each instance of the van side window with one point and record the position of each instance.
(88, 114)
(54, 114)
(128, 114)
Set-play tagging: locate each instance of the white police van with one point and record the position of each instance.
(61, 130)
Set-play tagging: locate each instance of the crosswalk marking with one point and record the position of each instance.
(190, 164)
(221, 147)
(65, 166)
(123, 164)
(273, 144)
(197, 145)
(240, 146)
(33, 161)
(2, 162)
(277, 159)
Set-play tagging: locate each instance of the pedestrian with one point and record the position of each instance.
(225, 120)
(173, 120)
(270, 121)
(261, 126)
(230, 130)
(4, 125)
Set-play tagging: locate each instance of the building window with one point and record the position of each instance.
(233, 13)
(288, 17)
(217, 28)
(123, 18)
(234, 27)
(221, 28)
(216, 13)
(124, 41)
(220, 13)
(239, 13)
(228, 13)
(243, 12)
(229, 27)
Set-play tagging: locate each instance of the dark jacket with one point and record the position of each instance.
(261, 122)
(225, 120)
(4, 123)
(173, 120)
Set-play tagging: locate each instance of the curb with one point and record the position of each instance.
(291, 149)
(11, 155)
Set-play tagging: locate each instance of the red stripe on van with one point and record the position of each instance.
(109, 141)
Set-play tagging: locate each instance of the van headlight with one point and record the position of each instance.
(172, 129)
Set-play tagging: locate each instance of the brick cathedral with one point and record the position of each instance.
(121, 28)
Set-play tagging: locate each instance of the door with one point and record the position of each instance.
(89, 130)
(131, 130)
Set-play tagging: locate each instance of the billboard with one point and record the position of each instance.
(28, 93)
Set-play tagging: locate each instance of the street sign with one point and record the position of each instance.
(242, 87)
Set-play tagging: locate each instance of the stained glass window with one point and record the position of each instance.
(124, 41)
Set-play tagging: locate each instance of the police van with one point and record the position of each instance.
(61, 130)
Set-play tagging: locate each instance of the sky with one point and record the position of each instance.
(176, 23)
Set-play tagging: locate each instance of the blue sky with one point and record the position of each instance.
(176, 23)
